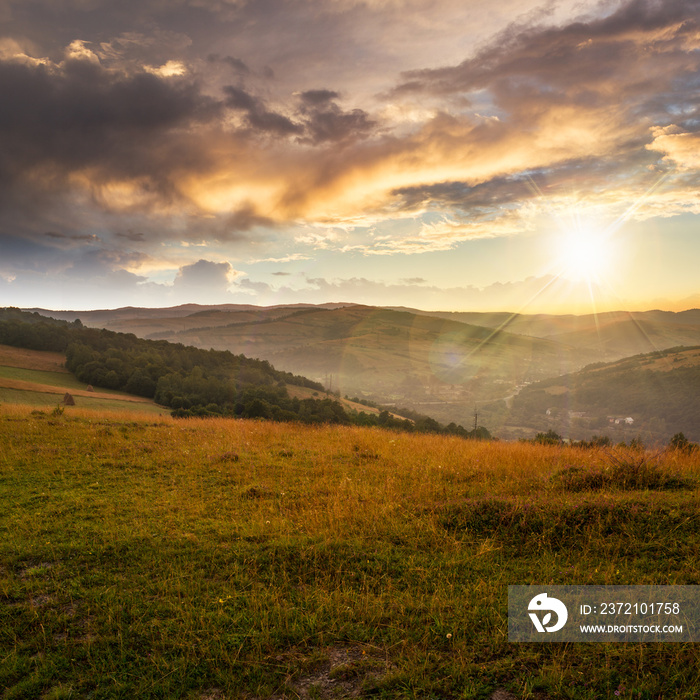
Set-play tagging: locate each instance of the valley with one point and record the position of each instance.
(454, 367)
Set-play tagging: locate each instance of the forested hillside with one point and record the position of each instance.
(189, 380)
(654, 395)
(433, 366)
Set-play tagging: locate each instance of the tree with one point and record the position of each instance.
(681, 442)
(141, 384)
(548, 438)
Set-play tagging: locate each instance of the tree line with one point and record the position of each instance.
(192, 381)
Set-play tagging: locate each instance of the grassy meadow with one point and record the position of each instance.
(145, 557)
(39, 379)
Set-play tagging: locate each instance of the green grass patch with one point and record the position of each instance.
(241, 559)
(57, 379)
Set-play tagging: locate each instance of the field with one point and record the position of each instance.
(39, 379)
(147, 557)
(302, 392)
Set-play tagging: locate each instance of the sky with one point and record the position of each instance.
(521, 155)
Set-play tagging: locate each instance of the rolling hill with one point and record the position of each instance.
(39, 378)
(446, 365)
(609, 335)
(437, 366)
(651, 396)
(191, 381)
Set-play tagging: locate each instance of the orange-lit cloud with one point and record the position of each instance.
(679, 147)
(135, 136)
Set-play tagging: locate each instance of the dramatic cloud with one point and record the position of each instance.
(325, 121)
(679, 147)
(268, 131)
(235, 63)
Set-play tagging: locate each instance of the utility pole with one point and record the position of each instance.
(476, 418)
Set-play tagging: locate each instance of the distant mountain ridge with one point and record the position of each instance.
(448, 365)
(97, 316)
(613, 334)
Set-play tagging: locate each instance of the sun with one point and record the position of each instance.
(585, 254)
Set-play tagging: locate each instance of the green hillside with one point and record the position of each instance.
(653, 396)
(222, 559)
(189, 380)
(436, 366)
(33, 378)
(445, 365)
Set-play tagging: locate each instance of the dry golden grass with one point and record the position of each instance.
(32, 359)
(155, 557)
(21, 385)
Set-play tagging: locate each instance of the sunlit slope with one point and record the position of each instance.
(633, 336)
(441, 364)
(610, 335)
(157, 558)
(660, 392)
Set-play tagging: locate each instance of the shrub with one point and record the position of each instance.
(629, 471)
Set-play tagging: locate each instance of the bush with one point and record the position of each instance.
(681, 442)
(548, 438)
(629, 471)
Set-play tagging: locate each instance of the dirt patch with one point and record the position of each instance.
(212, 694)
(39, 601)
(340, 672)
(34, 568)
(500, 694)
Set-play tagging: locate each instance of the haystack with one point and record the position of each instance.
(68, 400)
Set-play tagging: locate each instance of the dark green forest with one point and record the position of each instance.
(192, 381)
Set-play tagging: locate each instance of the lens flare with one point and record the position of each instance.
(585, 254)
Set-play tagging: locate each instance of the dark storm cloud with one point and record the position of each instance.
(81, 115)
(71, 237)
(321, 119)
(258, 116)
(500, 194)
(274, 123)
(318, 97)
(631, 56)
(235, 63)
(238, 98)
(499, 190)
(325, 121)
(134, 237)
(245, 219)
